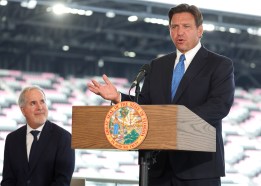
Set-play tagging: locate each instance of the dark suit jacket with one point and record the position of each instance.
(207, 89)
(53, 164)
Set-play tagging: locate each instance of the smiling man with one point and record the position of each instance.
(41, 159)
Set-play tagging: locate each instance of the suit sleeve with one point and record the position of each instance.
(9, 178)
(221, 94)
(65, 161)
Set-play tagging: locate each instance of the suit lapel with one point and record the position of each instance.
(198, 62)
(43, 141)
(168, 73)
(22, 141)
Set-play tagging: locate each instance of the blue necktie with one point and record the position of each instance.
(34, 144)
(177, 75)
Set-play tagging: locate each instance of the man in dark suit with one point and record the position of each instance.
(206, 88)
(52, 162)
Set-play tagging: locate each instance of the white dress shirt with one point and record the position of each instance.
(189, 56)
(30, 138)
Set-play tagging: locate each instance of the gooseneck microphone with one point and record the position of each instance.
(142, 73)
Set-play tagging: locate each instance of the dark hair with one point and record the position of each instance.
(187, 8)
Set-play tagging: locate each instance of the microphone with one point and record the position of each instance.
(142, 73)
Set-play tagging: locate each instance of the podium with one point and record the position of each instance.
(171, 127)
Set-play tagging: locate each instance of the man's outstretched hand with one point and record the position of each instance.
(107, 90)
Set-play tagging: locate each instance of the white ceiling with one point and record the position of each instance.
(251, 7)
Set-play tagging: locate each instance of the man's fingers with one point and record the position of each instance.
(94, 90)
(106, 80)
(91, 86)
(96, 84)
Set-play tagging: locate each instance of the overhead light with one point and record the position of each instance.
(3, 2)
(259, 32)
(252, 65)
(81, 12)
(100, 63)
(222, 29)
(234, 31)
(156, 21)
(66, 48)
(72, 10)
(110, 14)
(129, 54)
(255, 31)
(132, 18)
(30, 4)
(88, 12)
(251, 31)
(59, 9)
(209, 27)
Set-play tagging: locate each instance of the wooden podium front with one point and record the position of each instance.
(171, 127)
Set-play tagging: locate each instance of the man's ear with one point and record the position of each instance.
(200, 31)
(22, 110)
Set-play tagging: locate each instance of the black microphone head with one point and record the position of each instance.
(142, 73)
(145, 68)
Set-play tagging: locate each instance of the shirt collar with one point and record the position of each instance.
(29, 129)
(191, 53)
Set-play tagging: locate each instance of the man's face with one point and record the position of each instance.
(184, 32)
(35, 109)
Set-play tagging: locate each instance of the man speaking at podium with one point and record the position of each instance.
(192, 76)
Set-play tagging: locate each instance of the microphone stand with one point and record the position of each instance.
(144, 156)
(137, 93)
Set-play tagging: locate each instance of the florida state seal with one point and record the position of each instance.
(126, 125)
